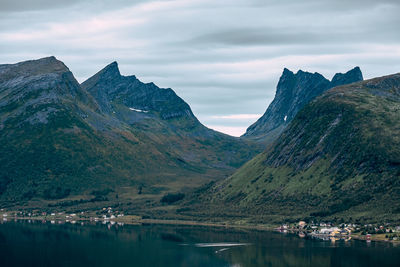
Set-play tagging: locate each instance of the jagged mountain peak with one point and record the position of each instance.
(286, 71)
(108, 73)
(300, 75)
(306, 75)
(111, 68)
(292, 93)
(113, 90)
(301, 72)
(353, 75)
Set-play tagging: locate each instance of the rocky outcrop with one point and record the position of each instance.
(293, 92)
(109, 87)
(354, 75)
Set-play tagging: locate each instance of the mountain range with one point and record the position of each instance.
(323, 150)
(63, 140)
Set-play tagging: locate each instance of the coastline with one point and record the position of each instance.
(137, 220)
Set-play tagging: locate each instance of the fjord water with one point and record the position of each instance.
(45, 244)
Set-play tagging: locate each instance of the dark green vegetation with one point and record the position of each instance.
(293, 92)
(171, 198)
(112, 139)
(339, 159)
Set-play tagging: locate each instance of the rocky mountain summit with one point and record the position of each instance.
(32, 91)
(109, 87)
(293, 92)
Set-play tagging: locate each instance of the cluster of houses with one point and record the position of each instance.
(106, 216)
(110, 214)
(329, 231)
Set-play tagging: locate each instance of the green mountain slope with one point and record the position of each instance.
(58, 142)
(338, 158)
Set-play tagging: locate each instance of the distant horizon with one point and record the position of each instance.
(224, 58)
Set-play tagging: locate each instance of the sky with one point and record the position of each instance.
(224, 58)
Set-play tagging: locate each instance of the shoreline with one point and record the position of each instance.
(136, 220)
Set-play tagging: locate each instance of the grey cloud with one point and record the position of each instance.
(295, 36)
(258, 36)
(36, 5)
(326, 6)
(222, 57)
(354, 4)
(29, 5)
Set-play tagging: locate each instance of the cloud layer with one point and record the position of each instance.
(223, 57)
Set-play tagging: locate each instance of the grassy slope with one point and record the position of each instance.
(340, 157)
(76, 150)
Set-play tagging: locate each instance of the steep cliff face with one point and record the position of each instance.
(338, 158)
(293, 92)
(109, 87)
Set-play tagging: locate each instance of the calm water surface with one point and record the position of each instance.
(38, 244)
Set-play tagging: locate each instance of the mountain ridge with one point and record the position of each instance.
(292, 93)
(134, 93)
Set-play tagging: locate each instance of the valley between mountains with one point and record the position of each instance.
(322, 150)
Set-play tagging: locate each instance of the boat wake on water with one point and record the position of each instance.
(206, 245)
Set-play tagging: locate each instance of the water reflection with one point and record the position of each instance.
(66, 244)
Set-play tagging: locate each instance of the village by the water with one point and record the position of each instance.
(343, 231)
(112, 217)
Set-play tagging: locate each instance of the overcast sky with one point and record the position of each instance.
(223, 57)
